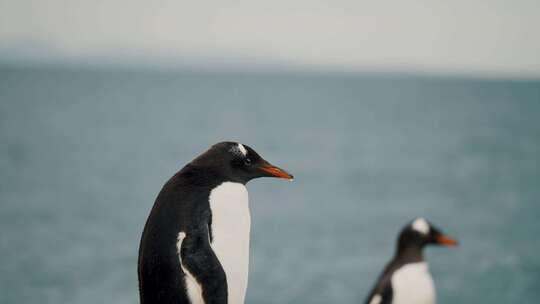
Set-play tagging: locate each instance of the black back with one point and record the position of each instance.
(182, 205)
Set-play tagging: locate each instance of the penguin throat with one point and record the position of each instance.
(410, 253)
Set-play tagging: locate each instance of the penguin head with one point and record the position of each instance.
(420, 233)
(239, 163)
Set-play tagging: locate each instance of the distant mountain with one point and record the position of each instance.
(32, 53)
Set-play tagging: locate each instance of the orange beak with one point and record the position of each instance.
(275, 171)
(446, 241)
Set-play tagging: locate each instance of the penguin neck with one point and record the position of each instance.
(410, 253)
(203, 174)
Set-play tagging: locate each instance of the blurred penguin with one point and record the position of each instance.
(406, 278)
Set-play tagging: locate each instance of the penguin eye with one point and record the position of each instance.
(247, 162)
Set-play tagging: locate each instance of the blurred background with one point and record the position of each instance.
(382, 111)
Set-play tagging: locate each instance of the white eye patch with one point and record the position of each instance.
(239, 150)
(421, 225)
(242, 149)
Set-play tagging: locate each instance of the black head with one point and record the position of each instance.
(238, 163)
(420, 233)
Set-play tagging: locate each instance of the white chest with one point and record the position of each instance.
(231, 222)
(413, 284)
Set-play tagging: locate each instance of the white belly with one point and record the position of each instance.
(231, 224)
(413, 284)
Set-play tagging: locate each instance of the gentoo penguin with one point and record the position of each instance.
(195, 244)
(406, 278)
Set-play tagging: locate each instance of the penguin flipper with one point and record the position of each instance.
(382, 293)
(199, 259)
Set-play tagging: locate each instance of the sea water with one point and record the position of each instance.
(83, 154)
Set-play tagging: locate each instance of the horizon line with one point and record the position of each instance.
(221, 65)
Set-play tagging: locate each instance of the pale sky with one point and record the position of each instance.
(465, 36)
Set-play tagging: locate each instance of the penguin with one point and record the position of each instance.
(195, 244)
(406, 278)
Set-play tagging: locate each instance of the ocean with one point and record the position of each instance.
(84, 152)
